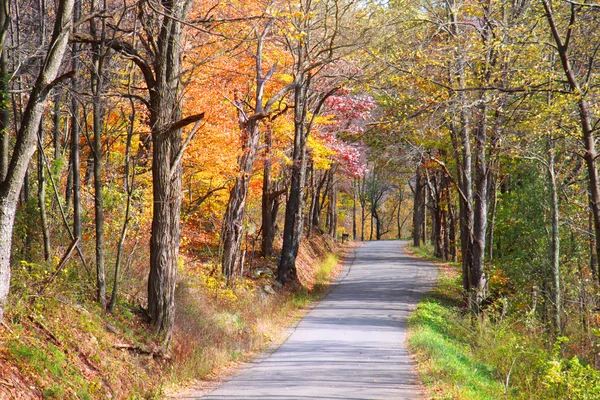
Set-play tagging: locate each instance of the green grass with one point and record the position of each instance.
(461, 357)
(324, 272)
(440, 337)
(451, 369)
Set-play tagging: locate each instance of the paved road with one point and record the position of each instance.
(351, 346)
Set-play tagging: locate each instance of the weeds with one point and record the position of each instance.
(61, 345)
(461, 357)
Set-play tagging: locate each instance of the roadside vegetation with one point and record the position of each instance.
(57, 344)
(498, 355)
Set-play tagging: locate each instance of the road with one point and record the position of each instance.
(351, 346)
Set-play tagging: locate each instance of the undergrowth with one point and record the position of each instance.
(492, 357)
(218, 325)
(56, 342)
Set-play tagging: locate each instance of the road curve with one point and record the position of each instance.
(351, 346)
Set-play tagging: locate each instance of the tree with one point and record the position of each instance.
(315, 44)
(580, 81)
(160, 65)
(26, 141)
(250, 116)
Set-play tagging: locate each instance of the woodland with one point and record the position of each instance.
(176, 160)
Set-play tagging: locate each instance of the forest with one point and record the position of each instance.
(172, 172)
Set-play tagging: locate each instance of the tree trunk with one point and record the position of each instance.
(129, 188)
(167, 146)
(270, 200)
(292, 231)
(481, 199)
(4, 92)
(75, 133)
(592, 247)
(333, 210)
(26, 141)
(232, 231)
(398, 214)
(42, 195)
(418, 207)
(555, 243)
(97, 83)
(56, 124)
(354, 237)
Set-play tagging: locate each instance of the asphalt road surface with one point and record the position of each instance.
(351, 346)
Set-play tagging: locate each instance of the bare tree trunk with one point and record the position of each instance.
(4, 93)
(592, 246)
(129, 188)
(42, 195)
(425, 196)
(270, 200)
(97, 83)
(418, 207)
(317, 205)
(378, 225)
(555, 244)
(165, 110)
(292, 231)
(232, 231)
(333, 209)
(478, 278)
(354, 184)
(464, 166)
(493, 211)
(56, 125)
(75, 133)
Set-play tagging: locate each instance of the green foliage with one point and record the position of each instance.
(569, 378)
(494, 357)
(51, 362)
(324, 272)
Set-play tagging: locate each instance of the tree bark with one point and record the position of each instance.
(75, 133)
(129, 188)
(354, 184)
(270, 200)
(97, 83)
(292, 230)
(165, 108)
(333, 209)
(481, 199)
(4, 92)
(232, 231)
(42, 195)
(418, 207)
(555, 244)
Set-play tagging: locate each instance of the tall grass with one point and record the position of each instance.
(494, 357)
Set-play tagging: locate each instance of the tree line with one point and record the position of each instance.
(193, 111)
(495, 106)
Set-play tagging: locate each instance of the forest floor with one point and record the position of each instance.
(56, 342)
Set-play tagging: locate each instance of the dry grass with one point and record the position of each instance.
(218, 329)
(60, 345)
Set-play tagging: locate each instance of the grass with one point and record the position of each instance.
(323, 275)
(496, 357)
(439, 337)
(60, 345)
